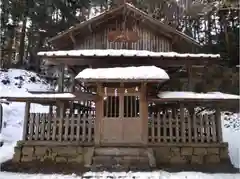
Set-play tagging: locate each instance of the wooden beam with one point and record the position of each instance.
(108, 60)
(73, 39)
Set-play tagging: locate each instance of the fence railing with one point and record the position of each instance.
(183, 129)
(46, 127)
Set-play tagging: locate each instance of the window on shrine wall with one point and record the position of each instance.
(131, 106)
(111, 107)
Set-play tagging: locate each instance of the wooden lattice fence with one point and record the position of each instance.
(202, 128)
(47, 127)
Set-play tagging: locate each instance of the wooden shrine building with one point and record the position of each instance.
(118, 109)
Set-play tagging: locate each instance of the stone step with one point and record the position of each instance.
(120, 162)
(111, 151)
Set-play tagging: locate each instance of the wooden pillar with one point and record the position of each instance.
(50, 109)
(72, 87)
(183, 127)
(1, 121)
(1, 117)
(144, 112)
(72, 90)
(61, 78)
(218, 124)
(99, 114)
(60, 87)
(60, 109)
(190, 88)
(26, 119)
(190, 80)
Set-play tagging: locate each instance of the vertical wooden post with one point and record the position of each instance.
(72, 90)
(144, 112)
(61, 78)
(60, 86)
(1, 121)
(189, 70)
(50, 109)
(99, 115)
(62, 110)
(218, 124)
(182, 118)
(1, 117)
(72, 87)
(61, 115)
(26, 118)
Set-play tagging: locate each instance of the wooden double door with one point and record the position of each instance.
(121, 121)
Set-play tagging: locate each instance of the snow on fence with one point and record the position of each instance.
(47, 127)
(166, 127)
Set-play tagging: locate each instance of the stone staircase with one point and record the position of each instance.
(123, 158)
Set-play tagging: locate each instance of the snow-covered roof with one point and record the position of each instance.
(119, 53)
(147, 73)
(39, 95)
(192, 95)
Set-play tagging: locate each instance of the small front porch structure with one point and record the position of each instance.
(163, 130)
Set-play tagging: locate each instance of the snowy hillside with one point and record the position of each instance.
(11, 82)
(20, 81)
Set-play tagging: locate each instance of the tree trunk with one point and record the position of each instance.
(22, 41)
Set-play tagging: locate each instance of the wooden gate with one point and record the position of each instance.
(121, 122)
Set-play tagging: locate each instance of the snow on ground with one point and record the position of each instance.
(12, 82)
(123, 175)
(231, 134)
(19, 81)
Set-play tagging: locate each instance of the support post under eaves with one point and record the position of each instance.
(61, 78)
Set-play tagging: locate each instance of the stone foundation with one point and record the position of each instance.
(164, 154)
(56, 154)
(196, 154)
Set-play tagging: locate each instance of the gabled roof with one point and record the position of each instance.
(113, 12)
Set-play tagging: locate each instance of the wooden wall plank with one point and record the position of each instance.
(147, 40)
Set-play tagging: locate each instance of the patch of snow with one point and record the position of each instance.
(125, 175)
(21, 80)
(94, 12)
(231, 134)
(143, 72)
(193, 95)
(17, 82)
(125, 53)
